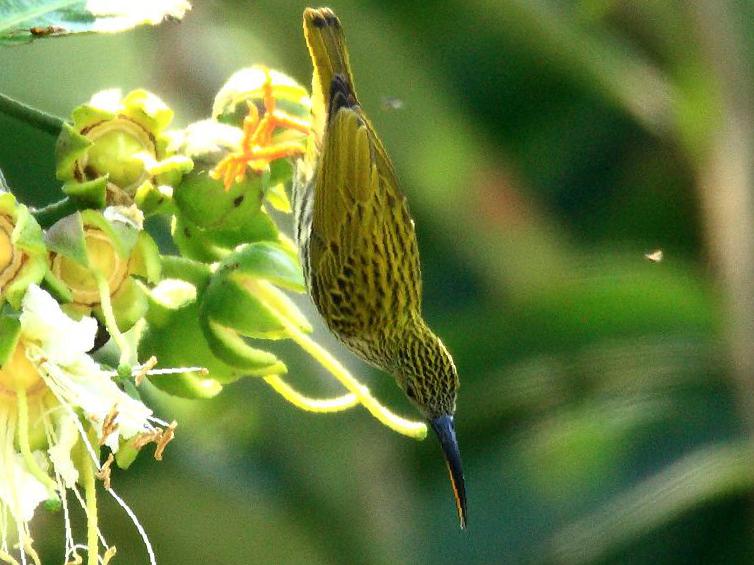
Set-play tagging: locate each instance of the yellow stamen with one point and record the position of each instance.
(7, 558)
(109, 554)
(319, 405)
(146, 438)
(109, 426)
(144, 369)
(257, 148)
(31, 552)
(165, 438)
(104, 473)
(416, 430)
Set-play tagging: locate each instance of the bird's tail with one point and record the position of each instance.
(327, 48)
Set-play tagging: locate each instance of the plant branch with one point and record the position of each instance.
(35, 118)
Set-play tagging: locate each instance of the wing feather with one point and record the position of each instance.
(363, 249)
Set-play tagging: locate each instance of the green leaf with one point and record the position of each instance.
(27, 234)
(278, 198)
(281, 172)
(25, 20)
(697, 479)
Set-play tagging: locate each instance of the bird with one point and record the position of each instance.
(358, 247)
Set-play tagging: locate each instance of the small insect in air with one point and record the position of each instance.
(655, 256)
(392, 103)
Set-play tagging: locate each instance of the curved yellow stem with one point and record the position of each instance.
(416, 430)
(7, 558)
(107, 311)
(90, 494)
(319, 405)
(24, 446)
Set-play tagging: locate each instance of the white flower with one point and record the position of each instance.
(57, 346)
(53, 396)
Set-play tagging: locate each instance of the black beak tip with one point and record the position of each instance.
(446, 433)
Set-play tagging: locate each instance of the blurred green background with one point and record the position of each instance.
(607, 405)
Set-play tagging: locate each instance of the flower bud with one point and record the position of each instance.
(92, 249)
(247, 86)
(121, 142)
(22, 250)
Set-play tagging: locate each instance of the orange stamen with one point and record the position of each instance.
(257, 148)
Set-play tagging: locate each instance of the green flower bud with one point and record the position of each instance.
(243, 300)
(121, 142)
(93, 248)
(23, 255)
(210, 220)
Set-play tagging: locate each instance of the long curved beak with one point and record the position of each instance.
(446, 433)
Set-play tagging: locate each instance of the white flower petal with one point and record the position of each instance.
(60, 453)
(95, 394)
(129, 215)
(62, 339)
(21, 491)
(109, 100)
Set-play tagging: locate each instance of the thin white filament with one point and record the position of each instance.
(135, 520)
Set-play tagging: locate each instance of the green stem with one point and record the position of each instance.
(110, 321)
(416, 430)
(90, 494)
(319, 405)
(23, 443)
(53, 212)
(35, 118)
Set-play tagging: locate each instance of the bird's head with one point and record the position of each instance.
(427, 374)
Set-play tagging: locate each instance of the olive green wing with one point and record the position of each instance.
(363, 252)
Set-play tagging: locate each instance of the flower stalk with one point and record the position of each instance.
(90, 494)
(308, 404)
(36, 118)
(412, 429)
